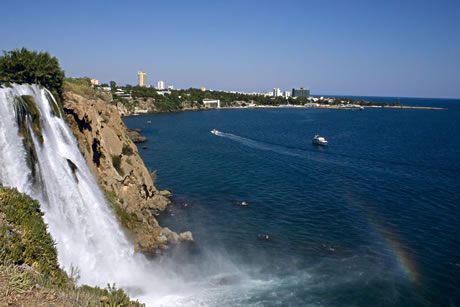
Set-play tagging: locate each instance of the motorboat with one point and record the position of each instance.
(319, 140)
(214, 131)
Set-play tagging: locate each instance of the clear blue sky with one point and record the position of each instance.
(382, 48)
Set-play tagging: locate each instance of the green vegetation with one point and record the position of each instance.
(127, 150)
(31, 108)
(192, 97)
(25, 66)
(116, 162)
(82, 87)
(113, 86)
(29, 271)
(178, 99)
(128, 220)
(24, 237)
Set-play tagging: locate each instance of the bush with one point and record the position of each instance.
(116, 162)
(25, 66)
(127, 150)
(24, 237)
(126, 219)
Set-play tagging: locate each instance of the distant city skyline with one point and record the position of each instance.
(363, 48)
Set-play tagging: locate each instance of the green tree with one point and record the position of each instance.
(113, 85)
(25, 66)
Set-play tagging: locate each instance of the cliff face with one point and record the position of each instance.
(114, 160)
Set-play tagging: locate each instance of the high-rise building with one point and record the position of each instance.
(276, 92)
(300, 92)
(170, 87)
(287, 94)
(141, 78)
(161, 85)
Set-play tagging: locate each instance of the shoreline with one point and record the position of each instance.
(332, 107)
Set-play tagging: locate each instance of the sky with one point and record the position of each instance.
(370, 48)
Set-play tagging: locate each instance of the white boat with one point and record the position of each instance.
(319, 140)
(214, 131)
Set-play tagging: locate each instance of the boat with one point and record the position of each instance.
(214, 131)
(149, 122)
(319, 140)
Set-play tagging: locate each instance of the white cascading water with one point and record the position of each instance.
(87, 234)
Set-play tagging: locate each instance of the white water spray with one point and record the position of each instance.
(87, 233)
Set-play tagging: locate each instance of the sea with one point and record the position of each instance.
(372, 219)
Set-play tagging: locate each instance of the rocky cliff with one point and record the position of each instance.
(115, 162)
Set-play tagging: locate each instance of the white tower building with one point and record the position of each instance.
(161, 85)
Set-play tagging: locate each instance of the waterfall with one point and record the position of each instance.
(47, 165)
(40, 157)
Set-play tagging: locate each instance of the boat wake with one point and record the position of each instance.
(327, 156)
(87, 234)
(261, 145)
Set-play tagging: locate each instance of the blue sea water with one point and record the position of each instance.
(373, 219)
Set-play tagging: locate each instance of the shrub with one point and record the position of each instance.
(116, 162)
(127, 150)
(24, 237)
(126, 219)
(25, 66)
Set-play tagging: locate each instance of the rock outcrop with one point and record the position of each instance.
(114, 160)
(135, 136)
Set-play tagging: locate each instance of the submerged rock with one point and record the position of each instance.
(264, 237)
(240, 203)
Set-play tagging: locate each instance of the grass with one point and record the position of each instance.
(24, 238)
(128, 220)
(29, 270)
(83, 88)
(33, 287)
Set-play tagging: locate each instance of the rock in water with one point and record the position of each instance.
(264, 237)
(135, 136)
(186, 236)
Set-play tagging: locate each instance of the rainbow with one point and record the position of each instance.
(398, 250)
(396, 247)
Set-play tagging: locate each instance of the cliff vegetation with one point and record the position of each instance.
(25, 66)
(29, 270)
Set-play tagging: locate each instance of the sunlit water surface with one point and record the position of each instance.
(370, 220)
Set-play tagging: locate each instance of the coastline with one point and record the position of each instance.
(332, 107)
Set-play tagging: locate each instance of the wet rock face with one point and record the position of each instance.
(102, 137)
